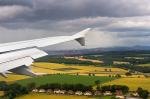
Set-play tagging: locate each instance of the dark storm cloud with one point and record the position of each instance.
(15, 2)
(117, 22)
(72, 9)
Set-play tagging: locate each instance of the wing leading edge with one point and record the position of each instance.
(18, 56)
(43, 41)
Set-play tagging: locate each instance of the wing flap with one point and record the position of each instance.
(15, 63)
(12, 60)
(3, 74)
(10, 56)
(23, 70)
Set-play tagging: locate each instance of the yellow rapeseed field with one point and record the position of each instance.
(53, 68)
(47, 96)
(144, 65)
(1, 93)
(132, 83)
(13, 77)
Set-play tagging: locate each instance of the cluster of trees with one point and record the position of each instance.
(113, 88)
(83, 88)
(3, 86)
(15, 90)
(12, 90)
(145, 69)
(108, 58)
(65, 61)
(142, 93)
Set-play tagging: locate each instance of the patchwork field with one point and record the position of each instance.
(52, 68)
(66, 79)
(144, 65)
(1, 93)
(132, 83)
(13, 77)
(46, 96)
(100, 73)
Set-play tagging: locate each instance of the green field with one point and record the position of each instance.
(65, 79)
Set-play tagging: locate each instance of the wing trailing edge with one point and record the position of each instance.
(19, 61)
(23, 70)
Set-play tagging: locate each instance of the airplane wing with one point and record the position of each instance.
(17, 57)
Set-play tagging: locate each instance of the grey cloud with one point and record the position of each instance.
(115, 22)
(15, 2)
(125, 27)
(11, 12)
(73, 9)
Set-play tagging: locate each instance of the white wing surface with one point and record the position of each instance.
(18, 56)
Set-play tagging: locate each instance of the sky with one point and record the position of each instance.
(113, 22)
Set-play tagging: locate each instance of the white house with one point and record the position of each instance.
(42, 90)
(78, 93)
(35, 90)
(107, 93)
(88, 93)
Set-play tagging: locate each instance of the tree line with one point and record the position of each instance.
(14, 90)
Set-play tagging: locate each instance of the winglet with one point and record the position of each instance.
(82, 33)
(80, 36)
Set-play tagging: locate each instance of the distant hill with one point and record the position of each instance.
(98, 50)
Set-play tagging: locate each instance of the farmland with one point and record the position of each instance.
(83, 75)
(83, 71)
(53, 68)
(145, 65)
(46, 96)
(132, 83)
(65, 79)
(13, 77)
(128, 60)
(87, 70)
(1, 93)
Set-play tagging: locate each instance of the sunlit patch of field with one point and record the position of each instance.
(47, 96)
(13, 77)
(134, 76)
(52, 68)
(134, 58)
(144, 65)
(123, 75)
(1, 93)
(84, 59)
(120, 62)
(132, 83)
